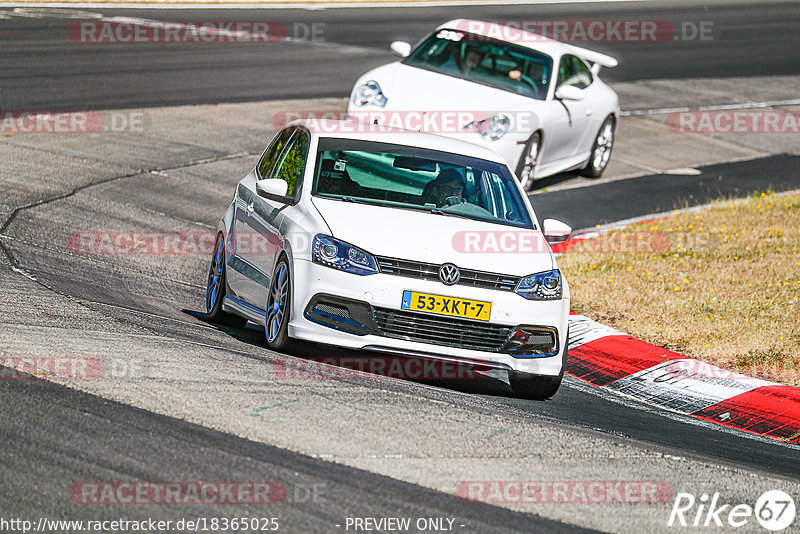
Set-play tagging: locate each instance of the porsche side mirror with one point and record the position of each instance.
(400, 48)
(555, 231)
(569, 92)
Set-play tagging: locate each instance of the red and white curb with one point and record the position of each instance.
(607, 358)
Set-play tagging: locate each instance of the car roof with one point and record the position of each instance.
(534, 41)
(350, 129)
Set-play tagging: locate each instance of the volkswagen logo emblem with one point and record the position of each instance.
(449, 274)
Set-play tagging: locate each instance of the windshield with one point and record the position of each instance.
(479, 59)
(405, 177)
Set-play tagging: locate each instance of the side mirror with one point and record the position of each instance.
(273, 189)
(556, 231)
(400, 48)
(569, 92)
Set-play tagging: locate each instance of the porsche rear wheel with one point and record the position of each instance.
(528, 161)
(601, 150)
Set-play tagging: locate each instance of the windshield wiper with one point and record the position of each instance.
(437, 211)
(353, 200)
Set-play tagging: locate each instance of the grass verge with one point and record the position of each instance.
(721, 284)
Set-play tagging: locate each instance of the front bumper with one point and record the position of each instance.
(385, 291)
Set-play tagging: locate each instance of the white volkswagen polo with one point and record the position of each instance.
(396, 242)
(537, 102)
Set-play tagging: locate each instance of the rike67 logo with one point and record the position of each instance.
(774, 510)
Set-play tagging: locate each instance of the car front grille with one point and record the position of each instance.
(453, 332)
(430, 271)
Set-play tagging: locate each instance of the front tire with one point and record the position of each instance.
(601, 150)
(217, 287)
(534, 387)
(279, 305)
(538, 387)
(528, 161)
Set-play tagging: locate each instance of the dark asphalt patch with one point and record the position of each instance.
(585, 207)
(79, 437)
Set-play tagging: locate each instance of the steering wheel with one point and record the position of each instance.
(530, 81)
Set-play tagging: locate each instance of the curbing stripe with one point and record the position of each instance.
(605, 360)
(604, 357)
(583, 330)
(686, 385)
(772, 411)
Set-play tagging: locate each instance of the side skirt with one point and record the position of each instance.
(239, 307)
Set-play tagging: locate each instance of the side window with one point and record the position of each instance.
(584, 74)
(472, 188)
(573, 71)
(273, 151)
(293, 162)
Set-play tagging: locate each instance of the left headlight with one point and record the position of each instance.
(492, 128)
(369, 93)
(337, 254)
(541, 286)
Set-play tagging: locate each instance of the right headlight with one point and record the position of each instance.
(540, 286)
(369, 93)
(491, 129)
(342, 256)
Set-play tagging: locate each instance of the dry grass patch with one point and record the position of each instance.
(721, 284)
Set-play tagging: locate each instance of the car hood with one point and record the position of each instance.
(413, 88)
(429, 238)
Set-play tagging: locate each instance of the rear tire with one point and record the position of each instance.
(528, 161)
(216, 288)
(601, 149)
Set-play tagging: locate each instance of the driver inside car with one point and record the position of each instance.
(446, 189)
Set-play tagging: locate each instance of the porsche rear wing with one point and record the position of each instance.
(595, 58)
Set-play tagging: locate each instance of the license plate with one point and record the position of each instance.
(441, 305)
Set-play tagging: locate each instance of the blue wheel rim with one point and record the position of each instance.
(215, 275)
(276, 305)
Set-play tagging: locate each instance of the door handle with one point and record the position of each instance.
(250, 208)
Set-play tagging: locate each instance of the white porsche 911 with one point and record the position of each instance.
(375, 238)
(546, 109)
